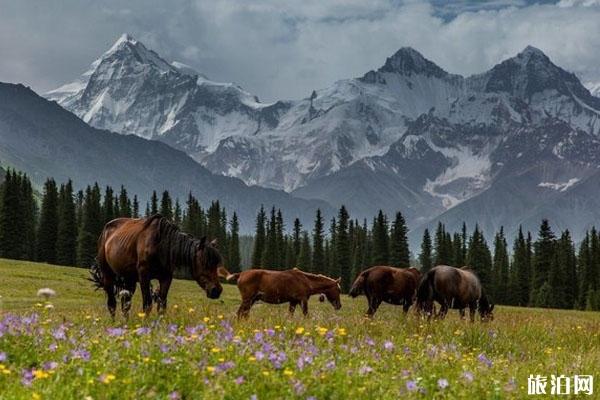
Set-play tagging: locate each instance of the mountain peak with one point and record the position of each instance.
(127, 49)
(121, 41)
(408, 61)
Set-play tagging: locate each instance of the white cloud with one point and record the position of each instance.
(287, 48)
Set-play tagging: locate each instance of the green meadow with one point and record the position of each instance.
(67, 347)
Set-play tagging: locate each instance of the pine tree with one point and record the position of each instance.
(479, 258)
(318, 256)
(425, 258)
(297, 241)
(305, 251)
(234, 264)
(29, 218)
(91, 226)
(399, 253)
(380, 240)
(177, 213)
(154, 203)
(543, 259)
(166, 206)
(270, 252)
(521, 268)
(342, 250)
(135, 212)
(442, 246)
(457, 250)
(66, 241)
(500, 269)
(11, 219)
(259, 239)
(108, 210)
(562, 277)
(280, 239)
(48, 226)
(124, 204)
(332, 265)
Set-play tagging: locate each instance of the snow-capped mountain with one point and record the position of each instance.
(406, 136)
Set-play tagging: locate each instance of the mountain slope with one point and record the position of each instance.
(42, 139)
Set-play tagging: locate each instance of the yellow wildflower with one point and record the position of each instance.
(288, 372)
(215, 350)
(210, 369)
(142, 314)
(39, 374)
(206, 319)
(299, 330)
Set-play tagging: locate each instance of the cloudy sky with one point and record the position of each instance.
(286, 48)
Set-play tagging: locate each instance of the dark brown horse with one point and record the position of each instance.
(453, 288)
(138, 250)
(292, 286)
(382, 283)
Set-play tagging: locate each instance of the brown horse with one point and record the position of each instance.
(453, 288)
(382, 283)
(292, 286)
(138, 250)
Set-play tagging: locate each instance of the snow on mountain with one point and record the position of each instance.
(408, 135)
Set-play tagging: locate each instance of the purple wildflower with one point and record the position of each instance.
(174, 395)
(116, 332)
(329, 365)
(468, 376)
(387, 345)
(80, 355)
(258, 337)
(254, 397)
(2, 356)
(411, 386)
(299, 388)
(144, 330)
(167, 360)
(484, 360)
(365, 369)
(27, 377)
(164, 348)
(442, 383)
(406, 350)
(223, 367)
(59, 333)
(369, 341)
(49, 365)
(172, 328)
(239, 380)
(259, 355)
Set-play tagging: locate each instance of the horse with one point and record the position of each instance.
(453, 287)
(383, 283)
(132, 250)
(276, 287)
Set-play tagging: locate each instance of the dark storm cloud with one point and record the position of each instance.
(287, 48)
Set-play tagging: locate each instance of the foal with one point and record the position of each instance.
(292, 286)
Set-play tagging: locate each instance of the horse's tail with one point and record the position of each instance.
(96, 276)
(425, 289)
(233, 277)
(358, 286)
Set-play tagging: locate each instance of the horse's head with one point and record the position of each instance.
(486, 309)
(332, 293)
(205, 271)
(359, 285)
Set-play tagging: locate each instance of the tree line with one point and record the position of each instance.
(63, 226)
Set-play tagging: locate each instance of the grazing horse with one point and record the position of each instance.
(292, 286)
(382, 283)
(453, 288)
(132, 250)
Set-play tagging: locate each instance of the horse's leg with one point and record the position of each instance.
(111, 299)
(443, 309)
(144, 279)
(407, 303)
(127, 297)
(244, 309)
(462, 313)
(374, 303)
(304, 304)
(165, 284)
(292, 308)
(472, 308)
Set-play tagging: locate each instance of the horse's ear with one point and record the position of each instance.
(203, 241)
(338, 280)
(214, 242)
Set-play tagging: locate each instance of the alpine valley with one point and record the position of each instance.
(506, 147)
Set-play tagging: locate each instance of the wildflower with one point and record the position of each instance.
(206, 319)
(210, 369)
(341, 331)
(468, 376)
(223, 367)
(141, 314)
(411, 386)
(298, 387)
(174, 395)
(49, 306)
(2, 356)
(365, 369)
(50, 365)
(239, 380)
(215, 350)
(259, 355)
(115, 332)
(321, 331)
(106, 378)
(80, 355)
(288, 372)
(299, 330)
(442, 383)
(27, 377)
(387, 345)
(40, 374)
(484, 360)
(144, 330)
(46, 293)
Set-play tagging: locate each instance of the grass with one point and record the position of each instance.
(199, 349)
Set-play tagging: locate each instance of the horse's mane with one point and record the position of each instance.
(177, 248)
(311, 275)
